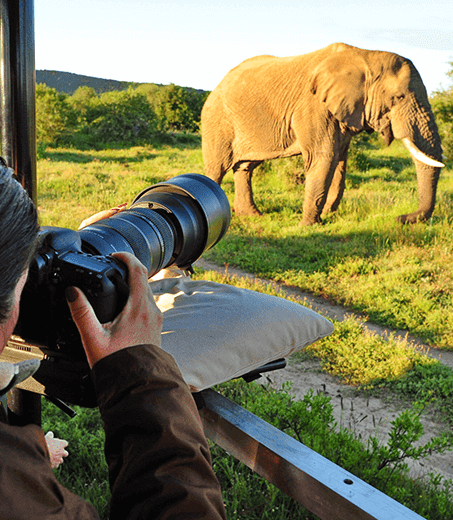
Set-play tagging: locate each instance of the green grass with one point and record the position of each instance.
(73, 184)
(399, 276)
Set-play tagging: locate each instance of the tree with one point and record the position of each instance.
(122, 116)
(84, 101)
(55, 117)
(177, 108)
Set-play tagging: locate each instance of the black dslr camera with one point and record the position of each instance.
(169, 223)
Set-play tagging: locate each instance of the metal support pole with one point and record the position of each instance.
(18, 134)
(6, 100)
(17, 83)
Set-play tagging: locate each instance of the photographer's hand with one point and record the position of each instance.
(140, 322)
(106, 213)
(56, 449)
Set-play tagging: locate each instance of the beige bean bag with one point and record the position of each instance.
(218, 332)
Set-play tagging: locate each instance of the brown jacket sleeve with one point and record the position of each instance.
(28, 487)
(158, 458)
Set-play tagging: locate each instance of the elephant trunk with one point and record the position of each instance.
(421, 138)
(427, 178)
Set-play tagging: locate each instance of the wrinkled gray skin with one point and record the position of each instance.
(313, 104)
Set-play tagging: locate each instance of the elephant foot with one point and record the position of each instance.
(248, 212)
(310, 222)
(413, 218)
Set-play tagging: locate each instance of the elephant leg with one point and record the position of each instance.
(336, 189)
(243, 193)
(317, 184)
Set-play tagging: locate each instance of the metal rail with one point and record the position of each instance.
(321, 486)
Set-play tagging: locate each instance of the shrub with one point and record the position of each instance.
(116, 117)
(177, 108)
(311, 421)
(84, 101)
(55, 117)
(442, 105)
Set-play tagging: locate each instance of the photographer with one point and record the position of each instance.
(158, 458)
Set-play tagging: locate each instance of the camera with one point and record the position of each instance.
(168, 224)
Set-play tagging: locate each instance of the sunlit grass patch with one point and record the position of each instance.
(359, 357)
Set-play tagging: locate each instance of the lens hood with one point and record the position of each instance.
(190, 196)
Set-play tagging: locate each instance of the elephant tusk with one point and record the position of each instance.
(419, 155)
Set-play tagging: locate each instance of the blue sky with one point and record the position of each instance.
(195, 44)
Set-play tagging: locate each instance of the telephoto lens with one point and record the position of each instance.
(169, 223)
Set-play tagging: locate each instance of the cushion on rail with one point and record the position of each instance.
(218, 332)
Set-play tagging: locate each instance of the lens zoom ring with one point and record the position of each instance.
(165, 232)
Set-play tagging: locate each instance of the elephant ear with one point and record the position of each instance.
(339, 82)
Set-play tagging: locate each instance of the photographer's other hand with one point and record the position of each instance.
(139, 323)
(56, 449)
(106, 213)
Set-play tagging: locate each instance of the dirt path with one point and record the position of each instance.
(366, 416)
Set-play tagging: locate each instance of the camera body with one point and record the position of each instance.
(60, 263)
(45, 318)
(170, 223)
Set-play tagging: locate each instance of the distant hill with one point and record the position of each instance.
(68, 82)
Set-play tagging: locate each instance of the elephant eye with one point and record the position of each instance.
(397, 99)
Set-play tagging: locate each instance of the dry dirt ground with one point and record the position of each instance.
(366, 416)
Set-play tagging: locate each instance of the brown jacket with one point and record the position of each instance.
(158, 458)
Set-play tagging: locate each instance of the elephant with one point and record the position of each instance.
(312, 105)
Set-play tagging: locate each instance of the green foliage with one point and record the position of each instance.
(311, 421)
(55, 117)
(434, 380)
(431, 378)
(361, 357)
(86, 119)
(84, 100)
(131, 116)
(442, 105)
(177, 108)
(124, 116)
(291, 169)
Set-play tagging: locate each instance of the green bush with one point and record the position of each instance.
(131, 116)
(56, 119)
(177, 108)
(442, 105)
(311, 421)
(118, 117)
(84, 101)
